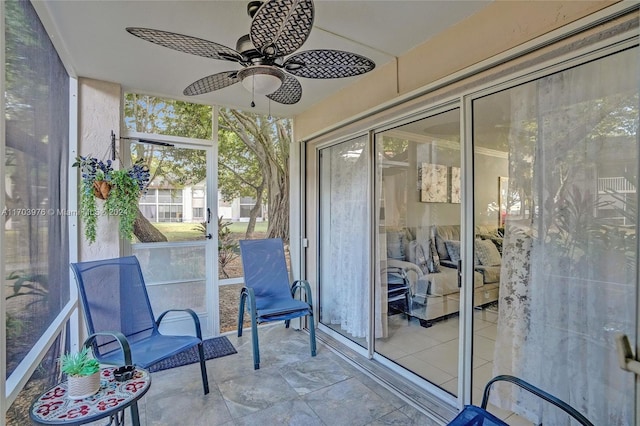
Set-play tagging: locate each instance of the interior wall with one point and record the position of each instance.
(99, 114)
(500, 26)
(488, 168)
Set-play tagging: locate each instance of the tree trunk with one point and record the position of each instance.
(251, 226)
(145, 231)
(279, 208)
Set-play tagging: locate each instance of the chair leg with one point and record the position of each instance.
(243, 298)
(254, 339)
(135, 417)
(203, 369)
(312, 335)
(409, 305)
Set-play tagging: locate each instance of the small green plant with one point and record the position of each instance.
(79, 364)
(228, 246)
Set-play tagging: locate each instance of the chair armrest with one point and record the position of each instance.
(406, 266)
(194, 316)
(539, 393)
(448, 264)
(122, 340)
(302, 284)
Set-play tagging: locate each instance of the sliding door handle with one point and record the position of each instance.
(626, 359)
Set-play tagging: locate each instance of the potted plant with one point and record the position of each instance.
(119, 188)
(83, 373)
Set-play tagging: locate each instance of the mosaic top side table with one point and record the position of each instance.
(54, 407)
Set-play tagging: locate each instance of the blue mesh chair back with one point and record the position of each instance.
(120, 319)
(268, 292)
(114, 297)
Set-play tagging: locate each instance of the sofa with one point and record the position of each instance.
(429, 258)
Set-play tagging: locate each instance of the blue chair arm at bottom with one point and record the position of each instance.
(191, 312)
(122, 340)
(476, 416)
(539, 393)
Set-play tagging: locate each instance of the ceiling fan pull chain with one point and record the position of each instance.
(269, 108)
(253, 88)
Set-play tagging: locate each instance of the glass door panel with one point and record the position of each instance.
(418, 203)
(344, 239)
(556, 172)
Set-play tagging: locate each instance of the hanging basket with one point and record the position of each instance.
(83, 386)
(101, 189)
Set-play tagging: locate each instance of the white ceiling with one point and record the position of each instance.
(91, 39)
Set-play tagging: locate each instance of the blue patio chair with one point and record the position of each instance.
(398, 289)
(268, 293)
(479, 416)
(122, 327)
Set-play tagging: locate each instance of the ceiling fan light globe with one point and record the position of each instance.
(262, 80)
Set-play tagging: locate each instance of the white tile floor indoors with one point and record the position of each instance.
(432, 352)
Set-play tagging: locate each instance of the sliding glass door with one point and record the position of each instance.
(495, 234)
(565, 154)
(418, 202)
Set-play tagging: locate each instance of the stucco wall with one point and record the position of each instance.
(500, 26)
(99, 114)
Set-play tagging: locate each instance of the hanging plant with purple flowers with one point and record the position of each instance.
(120, 189)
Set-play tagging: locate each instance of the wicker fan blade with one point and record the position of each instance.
(280, 27)
(211, 83)
(327, 64)
(289, 93)
(187, 44)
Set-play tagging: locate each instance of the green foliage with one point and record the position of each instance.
(122, 198)
(150, 114)
(79, 364)
(15, 327)
(228, 246)
(123, 201)
(29, 284)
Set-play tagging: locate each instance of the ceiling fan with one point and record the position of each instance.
(278, 28)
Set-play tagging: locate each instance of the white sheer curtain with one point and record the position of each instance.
(345, 236)
(569, 277)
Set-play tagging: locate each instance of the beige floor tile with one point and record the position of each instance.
(424, 369)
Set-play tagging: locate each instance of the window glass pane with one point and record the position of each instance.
(35, 232)
(418, 208)
(246, 180)
(568, 204)
(150, 114)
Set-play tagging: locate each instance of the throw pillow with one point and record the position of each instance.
(395, 245)
(421, 259)
(435, 258)
(453, 249)
(487, 253)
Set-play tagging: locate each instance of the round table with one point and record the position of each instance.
(55, 408)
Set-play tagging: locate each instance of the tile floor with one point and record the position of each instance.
(291, 388)
(432, 353)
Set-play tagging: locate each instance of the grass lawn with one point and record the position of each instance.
(178, 231)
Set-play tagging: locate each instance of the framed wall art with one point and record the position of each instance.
(434, 182)
(456, 193)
